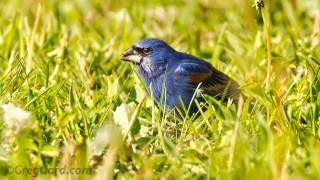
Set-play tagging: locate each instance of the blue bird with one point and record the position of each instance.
(181, 77)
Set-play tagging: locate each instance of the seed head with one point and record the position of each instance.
(259, 4)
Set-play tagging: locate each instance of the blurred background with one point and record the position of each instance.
(60, 61)
(209, 29)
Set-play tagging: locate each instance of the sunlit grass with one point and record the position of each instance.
(60, 61)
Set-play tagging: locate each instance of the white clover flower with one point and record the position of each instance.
(16, 118)
(101, 139)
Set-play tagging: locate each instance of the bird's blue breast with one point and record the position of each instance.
(169, 92)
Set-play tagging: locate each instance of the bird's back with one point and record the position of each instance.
(190, 76)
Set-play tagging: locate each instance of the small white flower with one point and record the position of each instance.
(16, 118)
(102, 138)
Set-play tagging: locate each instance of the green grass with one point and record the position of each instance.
(91, 110)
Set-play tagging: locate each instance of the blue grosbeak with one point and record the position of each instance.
(181, 77)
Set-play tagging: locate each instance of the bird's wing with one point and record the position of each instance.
(213, 82)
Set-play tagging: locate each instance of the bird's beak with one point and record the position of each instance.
(131, 55)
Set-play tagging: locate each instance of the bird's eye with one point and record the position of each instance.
(146, 50)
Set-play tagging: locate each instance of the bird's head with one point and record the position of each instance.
(149, 55)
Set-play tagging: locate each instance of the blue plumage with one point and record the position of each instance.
(178, 75)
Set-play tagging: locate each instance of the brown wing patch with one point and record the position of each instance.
(199, 77)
